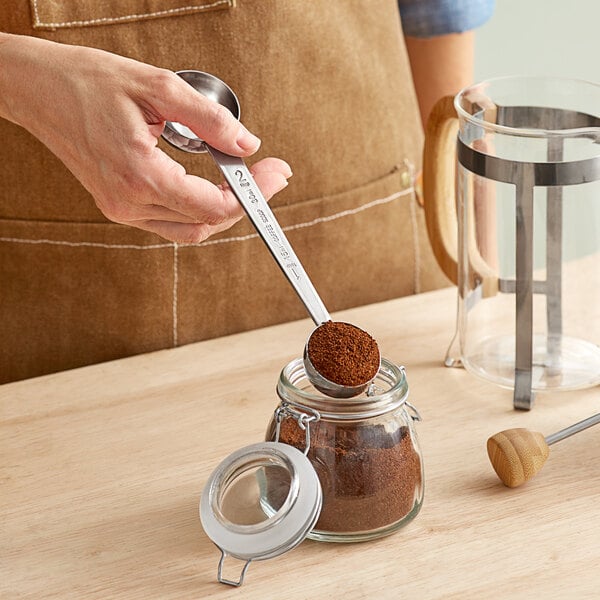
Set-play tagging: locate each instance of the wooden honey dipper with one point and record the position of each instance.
(518, 454)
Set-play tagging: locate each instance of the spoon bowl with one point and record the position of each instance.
(344, 351)
(182, 137)
(330, 388)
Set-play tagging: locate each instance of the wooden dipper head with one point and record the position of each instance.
(517, 455)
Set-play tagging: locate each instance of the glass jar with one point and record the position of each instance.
(364, 450)
(340, 470)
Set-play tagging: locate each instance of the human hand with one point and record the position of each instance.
(102, 115)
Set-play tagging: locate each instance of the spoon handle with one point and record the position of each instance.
(576, 428)
(244, 187)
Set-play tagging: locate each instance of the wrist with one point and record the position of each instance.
(21, 59)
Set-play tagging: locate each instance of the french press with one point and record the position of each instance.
(512, 202)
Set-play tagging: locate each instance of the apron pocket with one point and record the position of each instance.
(358, 247)
(55, 14)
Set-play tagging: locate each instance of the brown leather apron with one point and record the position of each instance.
(326, 85)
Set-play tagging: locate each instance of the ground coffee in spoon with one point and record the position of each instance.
(343, 353)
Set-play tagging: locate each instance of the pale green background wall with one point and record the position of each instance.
(540, 37)
(555, 38)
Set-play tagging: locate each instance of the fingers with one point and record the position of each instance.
(200, 199)
(269, 183)
(202, 209)
(273, 165)
(181, 233)
(175, 100)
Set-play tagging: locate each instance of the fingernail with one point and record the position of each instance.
(283, 185)
(247, 141)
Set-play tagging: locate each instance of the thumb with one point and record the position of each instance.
(208, 119)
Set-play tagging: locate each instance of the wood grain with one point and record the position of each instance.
(440, 203)
(102, 470)
(517, 454)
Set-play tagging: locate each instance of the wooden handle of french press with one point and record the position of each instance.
(439, 193)
(439, 159)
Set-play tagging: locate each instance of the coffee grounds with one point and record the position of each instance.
(343, 353)
(370, 476)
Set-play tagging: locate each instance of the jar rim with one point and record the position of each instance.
(390, 383)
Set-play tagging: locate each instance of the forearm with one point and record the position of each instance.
(29, 69)
(441, 66)
(15, 51)
(11, 47)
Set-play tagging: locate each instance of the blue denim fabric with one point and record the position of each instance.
(428, 18)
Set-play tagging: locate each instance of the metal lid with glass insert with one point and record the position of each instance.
(260, 502)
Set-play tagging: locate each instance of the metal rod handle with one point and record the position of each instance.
(244, 187)
(576, 428)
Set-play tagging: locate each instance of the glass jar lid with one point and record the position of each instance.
(260, 502)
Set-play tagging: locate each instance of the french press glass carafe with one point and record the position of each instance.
(521, 234)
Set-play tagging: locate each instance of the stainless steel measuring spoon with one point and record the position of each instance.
(244, 187)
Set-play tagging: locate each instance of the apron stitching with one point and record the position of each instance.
(36, 16)
(343, 213)
(124, 18)
(240, 238)
(175, 291)
(85, 244)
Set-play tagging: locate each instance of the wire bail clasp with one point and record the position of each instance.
(303, 416)
(231, 582)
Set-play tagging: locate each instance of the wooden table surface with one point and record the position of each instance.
(102, 469)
